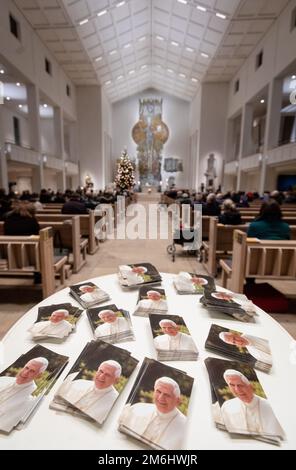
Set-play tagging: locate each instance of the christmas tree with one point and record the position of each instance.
(125, 173)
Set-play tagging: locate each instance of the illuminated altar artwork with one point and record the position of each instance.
(150, 134)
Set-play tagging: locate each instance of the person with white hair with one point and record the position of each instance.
(172, 339)
(160, 422)
(16, 393)
(153, 303)
(257, 347)
(113, 324)
(90, 294)
(57, 326)
(96, 397)
(247, 413)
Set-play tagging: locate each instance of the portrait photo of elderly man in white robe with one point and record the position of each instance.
(96, 397)
(257, 347)
(133, 275)
(112, 324)
(172, 339)
(57, 326)
(16, 393)
(90, 294)
(247, 413)
(160, 422)
(154, 302)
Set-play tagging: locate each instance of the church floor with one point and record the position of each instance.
(15, 301)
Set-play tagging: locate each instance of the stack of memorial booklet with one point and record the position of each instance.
(110, 324)
(239, 403)
(25, 382)
(236, 305)
(157, 407)
(55, 322)
(172, 339)
(95, 381)
(151, 300)
(88, 294)
(244, 347)
(131, 275)
(190, 283)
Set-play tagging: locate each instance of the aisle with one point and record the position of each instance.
(106, 260)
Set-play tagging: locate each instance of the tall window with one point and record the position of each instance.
(236, 86)
(293, 20)
(68, 90)
(47, 66)
(16, 130)
(259, 60)
(14, 26)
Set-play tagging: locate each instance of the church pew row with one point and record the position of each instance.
(220, 243)
(23, 256)
(66, 235)
(87, 226)
(258, 259)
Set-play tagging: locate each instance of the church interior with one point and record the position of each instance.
(126, 125)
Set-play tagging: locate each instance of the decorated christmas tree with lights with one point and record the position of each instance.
(125, 173)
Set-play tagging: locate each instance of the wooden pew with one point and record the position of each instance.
(219, 243)
(87, 226)
(66, 235)
(291, 220)
(258, 259)
(24, 256)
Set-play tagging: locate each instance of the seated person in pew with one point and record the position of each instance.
(230, 215)
(269, 225)
(73, 205)
(21, 221)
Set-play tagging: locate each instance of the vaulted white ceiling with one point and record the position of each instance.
(171, 45)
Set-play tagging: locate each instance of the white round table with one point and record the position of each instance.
(49, 429)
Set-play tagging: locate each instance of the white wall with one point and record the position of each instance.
(213, 129)
(194, 118)
(50, 179)
(48, 145)
(28, 55)
(107, 138)
(279, 46)
(90, 134)
(175, 113)
(7, 126)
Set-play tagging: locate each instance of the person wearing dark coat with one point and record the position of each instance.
(21, 220)
(230, 215)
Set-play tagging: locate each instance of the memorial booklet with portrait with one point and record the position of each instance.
(230, 303)
(191, 283)
(55, 322)
(24, 383)
(88, 294)
(241, 346)
(157, 407)
(172, 339)
(131, 275)
(151, 300)
(239, 403)
(95, 381)
(110, 324)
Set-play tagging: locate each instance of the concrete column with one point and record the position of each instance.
(273, 118)
(58, 123)
(272, 126)
(38, 178)
(3, 157)
(245, 139)
(35, 134)
(247, 126)
(89, 112)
